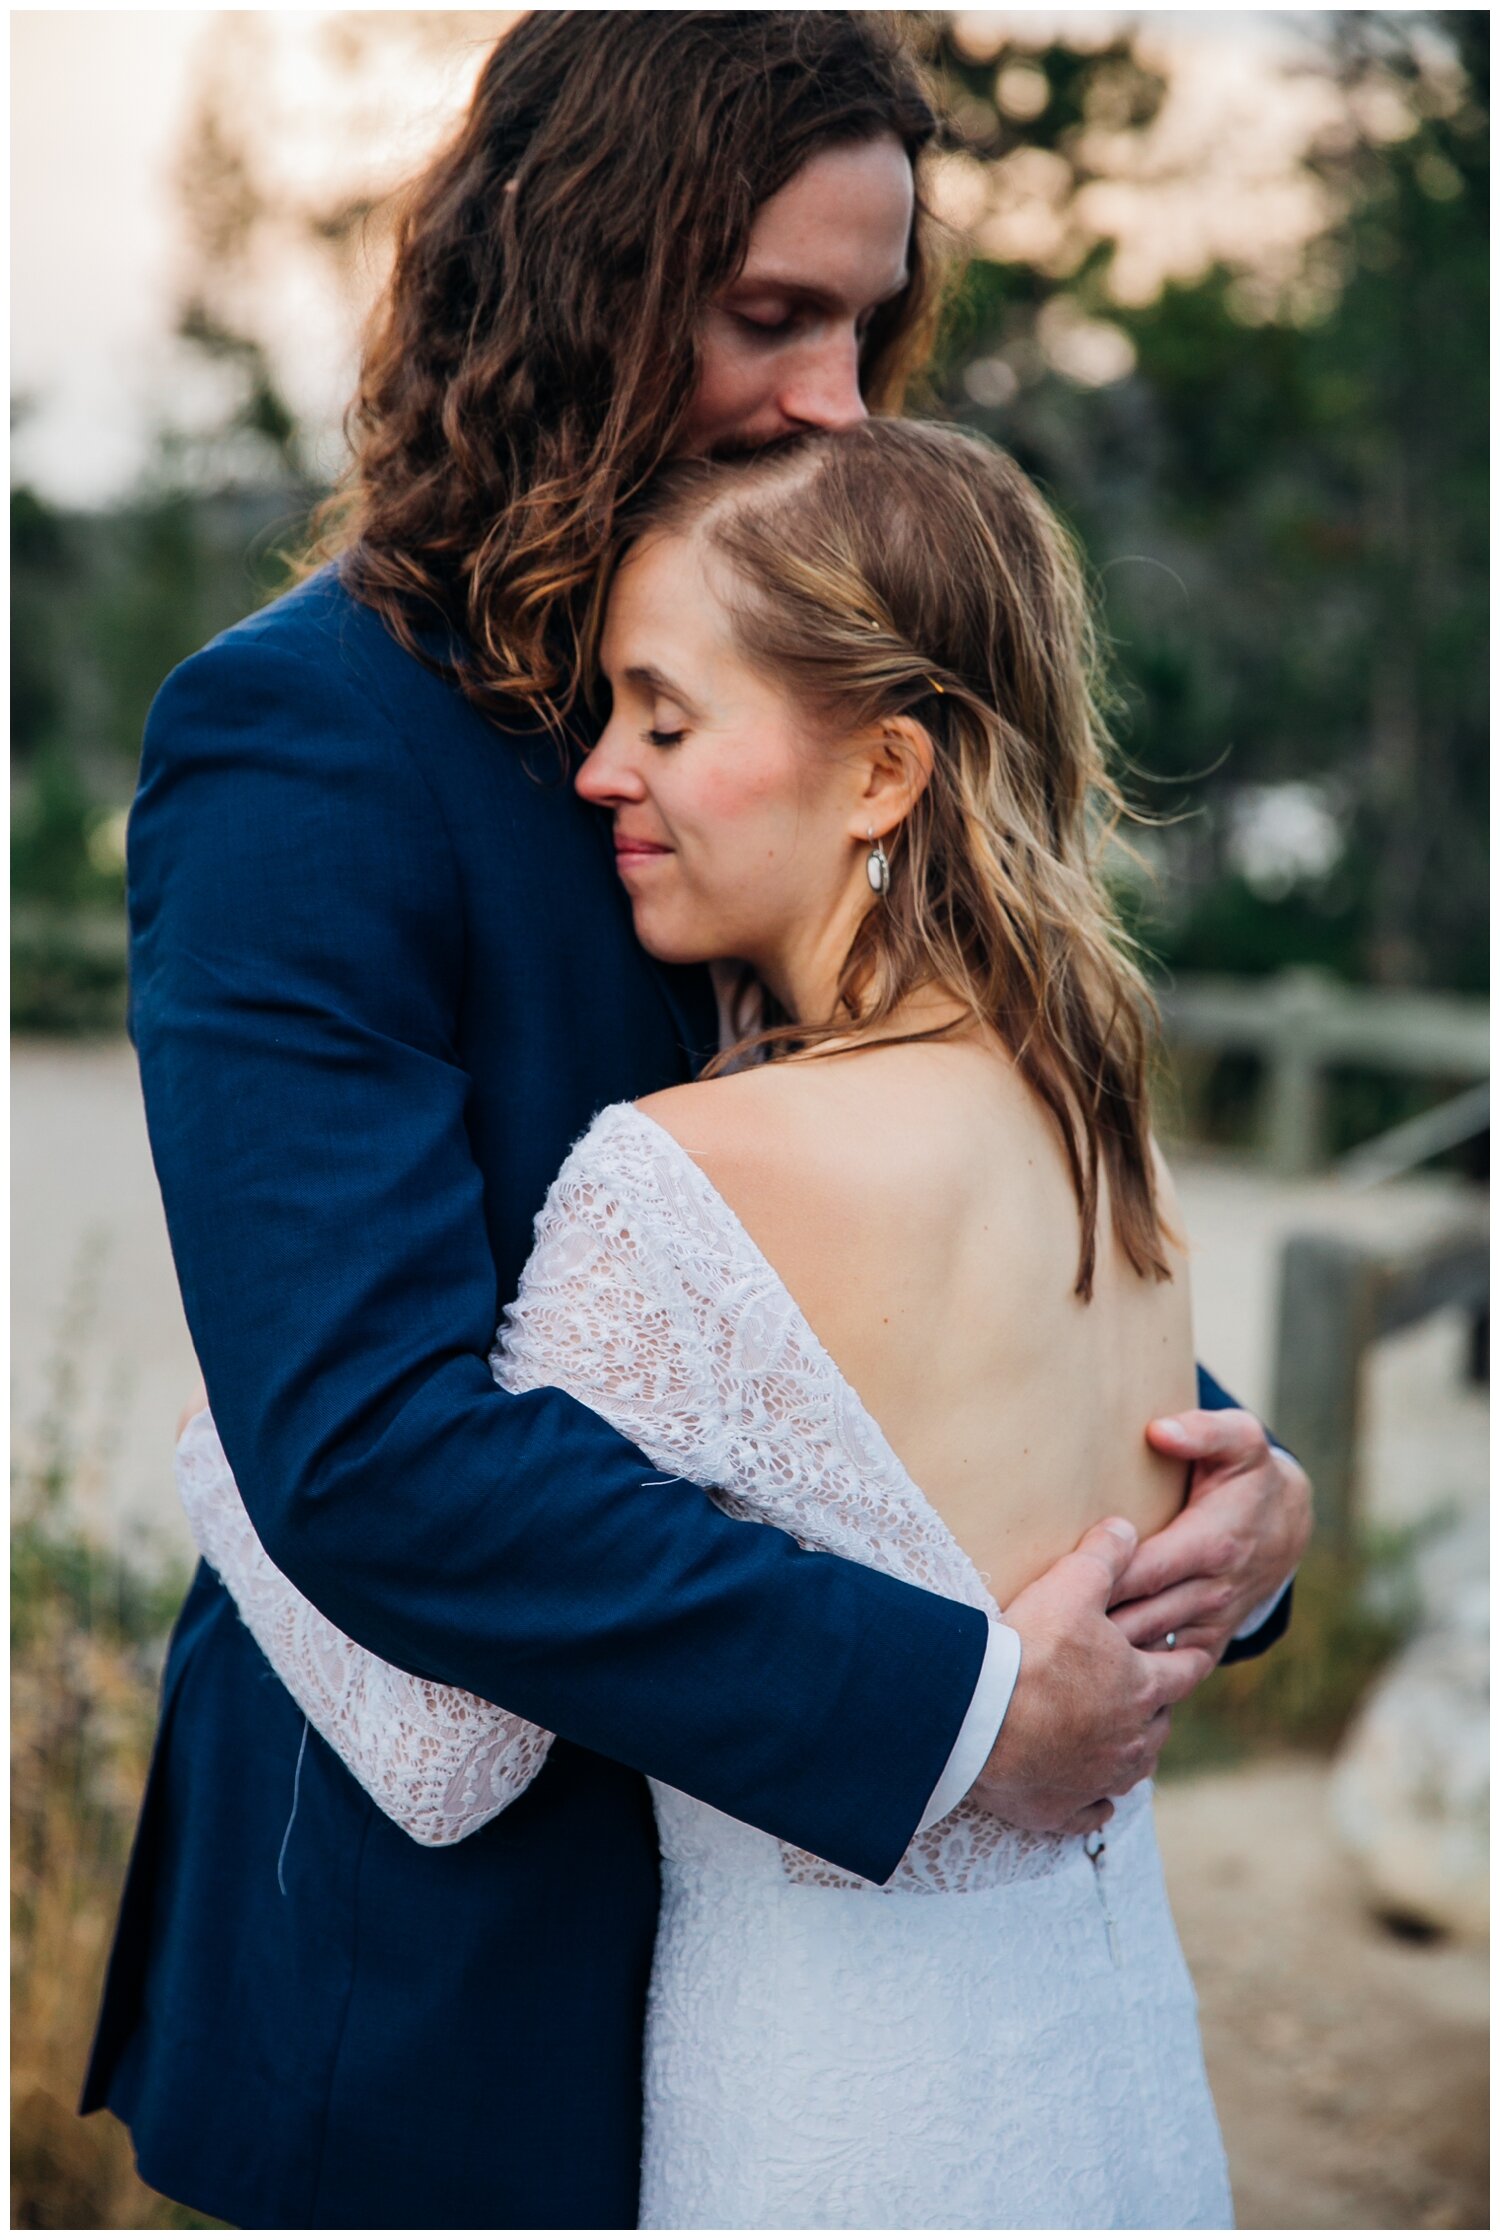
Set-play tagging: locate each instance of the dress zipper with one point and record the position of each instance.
(1094, 1848)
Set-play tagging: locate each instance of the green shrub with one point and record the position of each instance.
(1348, 1617)
(67, 971)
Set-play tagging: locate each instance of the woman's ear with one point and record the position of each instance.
(897, 760)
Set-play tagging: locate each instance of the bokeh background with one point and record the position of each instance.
(1224, 291)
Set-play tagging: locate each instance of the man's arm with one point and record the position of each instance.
(297, 964)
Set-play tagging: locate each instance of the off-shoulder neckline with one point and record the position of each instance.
(915, 1498)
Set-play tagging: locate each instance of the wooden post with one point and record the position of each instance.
(1294, 1121)
(1477, 1359)
(1338, 1297)
(1326, 1316)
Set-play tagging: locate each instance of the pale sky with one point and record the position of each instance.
(99, 106)
(91, 233)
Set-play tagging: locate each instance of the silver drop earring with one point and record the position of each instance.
(878, 866)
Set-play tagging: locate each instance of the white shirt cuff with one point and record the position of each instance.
(1262, 1611)
(982, 1723)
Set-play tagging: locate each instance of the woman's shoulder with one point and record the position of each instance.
(627, 1149)
(909, 1131)
(786, 1143)
(631, 1153)
(764, 1114)
(841, 1109)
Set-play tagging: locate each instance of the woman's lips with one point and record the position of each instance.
(630, 854)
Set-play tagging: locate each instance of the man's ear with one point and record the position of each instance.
(897, 758)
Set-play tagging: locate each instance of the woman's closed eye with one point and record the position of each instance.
(664, 738)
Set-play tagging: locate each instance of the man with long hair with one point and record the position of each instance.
(382, 977)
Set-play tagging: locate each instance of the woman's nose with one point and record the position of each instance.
(607, 773)
(824, 391)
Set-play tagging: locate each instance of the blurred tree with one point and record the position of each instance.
(103, 606)
(291, 162)
(1406, 359)
(227, 206)
(290, 155)
(1279, 475)
(39, 560)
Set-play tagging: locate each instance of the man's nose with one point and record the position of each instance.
(824, 390)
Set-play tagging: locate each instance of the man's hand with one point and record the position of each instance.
(1247, 1521)
(1090, 1713)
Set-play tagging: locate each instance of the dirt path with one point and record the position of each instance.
(1350, 2066)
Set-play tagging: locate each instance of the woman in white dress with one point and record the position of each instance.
(910, 1291)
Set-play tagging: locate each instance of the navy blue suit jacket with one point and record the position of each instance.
(383, 975)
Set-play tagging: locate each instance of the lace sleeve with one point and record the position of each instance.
(605, 1313)
(437, 1761)
(614, 1296)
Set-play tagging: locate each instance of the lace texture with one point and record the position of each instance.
(437, 1761)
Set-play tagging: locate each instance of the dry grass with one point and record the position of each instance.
(87, 1631)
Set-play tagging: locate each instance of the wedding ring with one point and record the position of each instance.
(1170, 1642)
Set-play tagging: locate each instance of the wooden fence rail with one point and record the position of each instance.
(1304, 1022)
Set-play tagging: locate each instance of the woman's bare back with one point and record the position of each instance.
(915, 1201)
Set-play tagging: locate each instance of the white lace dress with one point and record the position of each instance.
(1002, 2035)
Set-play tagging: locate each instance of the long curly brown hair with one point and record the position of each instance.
(530, 363)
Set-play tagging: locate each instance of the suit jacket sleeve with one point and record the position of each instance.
(297, 962)
(1211, 1394)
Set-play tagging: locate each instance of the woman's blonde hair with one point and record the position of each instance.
(907, 569)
